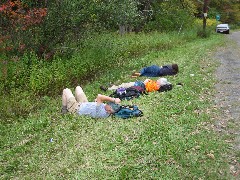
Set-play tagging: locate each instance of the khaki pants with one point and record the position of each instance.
(73, 103)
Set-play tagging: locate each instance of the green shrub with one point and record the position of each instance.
(97, 54)
(203, 33)
(235, 26)
(18, 72)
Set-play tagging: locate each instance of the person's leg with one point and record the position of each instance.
(150, 71)
(124, 85)
(80, 95)
(66, 95)
(69, 102)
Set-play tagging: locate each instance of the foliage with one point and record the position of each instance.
(49, 27)
(228, 10)
(203, 33)
(211, 27)
(173, 140)
(113, 14)
(171, 15)
(127, 13)
(95, 56)
(63, 23)
(17, 26)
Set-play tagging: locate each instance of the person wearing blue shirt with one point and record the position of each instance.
(80, 105)
(156, 71)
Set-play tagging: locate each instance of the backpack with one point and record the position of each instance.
(121, 90)
(128, 111)
(140, 83)
(140, 89)
(165, 87)
(126, 93)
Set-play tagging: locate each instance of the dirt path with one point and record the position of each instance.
(228, 98)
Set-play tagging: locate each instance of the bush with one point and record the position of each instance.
(203, 33)
(235, 26)
(98, 53)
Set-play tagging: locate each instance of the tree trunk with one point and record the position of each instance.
(205, 9)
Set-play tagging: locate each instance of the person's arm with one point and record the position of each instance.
(102, 98)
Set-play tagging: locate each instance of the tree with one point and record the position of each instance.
(17, 23)
(229, 10)
(113, 14)
(171, 15)
(205, 11)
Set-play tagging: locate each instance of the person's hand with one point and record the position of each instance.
(117, 100)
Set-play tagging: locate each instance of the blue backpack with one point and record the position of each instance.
(140, 83)
(128, 112)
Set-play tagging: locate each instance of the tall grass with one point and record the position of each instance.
(173, 140)
(97, 54)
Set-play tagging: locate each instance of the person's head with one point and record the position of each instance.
(111, 107)
(162, 81)
(175, 68)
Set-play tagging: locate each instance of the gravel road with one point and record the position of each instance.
(228, 98)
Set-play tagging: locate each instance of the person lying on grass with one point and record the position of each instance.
(148, 84)
(80, 105)
(156, 71)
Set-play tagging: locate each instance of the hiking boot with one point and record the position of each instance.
(103, 88)
(64, 110)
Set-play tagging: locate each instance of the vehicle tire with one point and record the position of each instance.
(227, 32)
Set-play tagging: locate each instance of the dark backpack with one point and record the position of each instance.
(166, 87)
(128, 112)
(140, 89)
(126, 93)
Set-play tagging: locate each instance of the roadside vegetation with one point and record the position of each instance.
(47, 46)
(173, 140)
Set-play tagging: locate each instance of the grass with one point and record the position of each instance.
(94, 57)
(173, 140)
